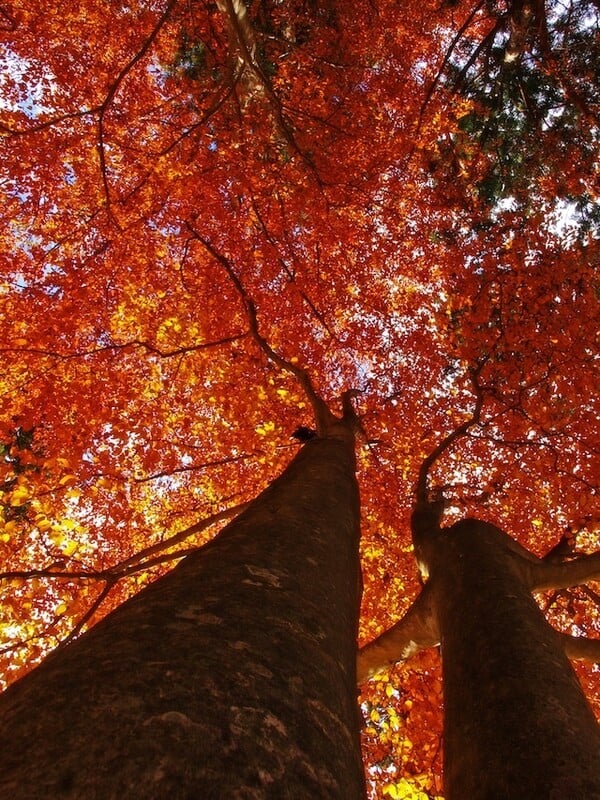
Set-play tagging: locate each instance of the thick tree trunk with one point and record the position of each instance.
(517, 725)
(231, 677)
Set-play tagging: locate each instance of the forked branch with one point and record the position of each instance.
(324, 418)
(421, 488)
(428, 510)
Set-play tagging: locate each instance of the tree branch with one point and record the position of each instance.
(243, 39)
(114, 88)
(580, 647)
(132, 343)
(88, 614)
(416, 631)
(428, 511)
(421, 491)
(125, 566)
(552, 575)
(219, 462)
(323, 416)
(135, 563)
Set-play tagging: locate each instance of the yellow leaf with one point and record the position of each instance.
(69, 547)
(404, 790)
(266, 428)
(20, 496)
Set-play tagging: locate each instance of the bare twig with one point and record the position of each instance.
(87, 615)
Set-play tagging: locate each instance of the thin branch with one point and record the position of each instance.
(40, 126)
(51, 574)
(291, 276)
(114, 88)
(323, 416)
(85, 618)
(135, 563)
(421, 490)
(124, 567)
(453, 44)
(218, 102)
(167, 473)
(162, 558)
(138, 343)
(192, 348)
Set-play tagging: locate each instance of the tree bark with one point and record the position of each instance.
(517, 725)
(232, 676)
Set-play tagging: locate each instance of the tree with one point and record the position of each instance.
(203, 203)
(234, 674)
(516, 721)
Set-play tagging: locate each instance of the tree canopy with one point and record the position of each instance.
(202, 203)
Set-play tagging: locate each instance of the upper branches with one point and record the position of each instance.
(421, 487)
(327, 423)
(428, 509)
(244, 46)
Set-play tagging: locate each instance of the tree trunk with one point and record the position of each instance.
(233, 676)
(517, 725)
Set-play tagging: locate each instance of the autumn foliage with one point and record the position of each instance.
(198, 199)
